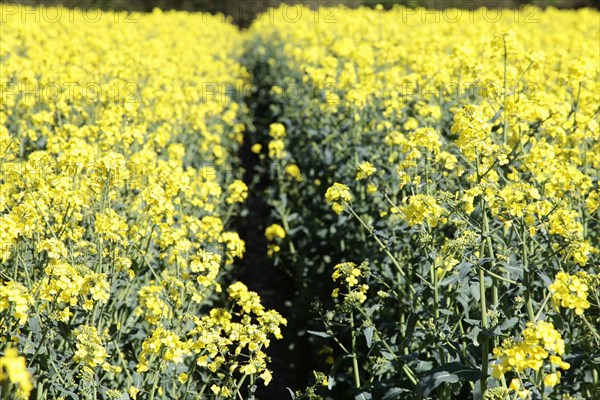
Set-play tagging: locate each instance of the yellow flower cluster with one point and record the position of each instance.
(274, 231)
(540, 341)
(347, 270)
(570, 291)
(238, 192)
(13, 371)
(294, 172)
(13, 294)
(90, 349)
(339, 194)
(365, 170)
(248, 328)
(350, 272)
(277, 145)
(473, 130)
(277, 130)
(422, 209)
(166, 345)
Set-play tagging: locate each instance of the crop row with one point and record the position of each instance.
(437, 192)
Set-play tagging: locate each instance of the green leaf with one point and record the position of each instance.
(474, 335)
(421, 366)
(410, 327)
(545, 278)
(320, 334)
(333, 370)
(464, 268)
(450, 373)
(291, 393)
(394, 393)
(251, 392)
(368, 332)
(372, 309)
(509, 323)
(34, 326)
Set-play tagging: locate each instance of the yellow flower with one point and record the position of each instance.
(552, 379)
(277, 130)
(506, 42)
(349, 271)
(538, 343)
(473, 131)
(266, 376)
(593, 201)
(557, 361)
(111, 226)
(133, 392)
(13, 294)
(182, 378)
(152, 304)
(176, 151)
(165, 343)
(338, 192)
(12, 370)
(293, 171)
(338, 208)
(427, 138)
(579, 70)
(89, 348)
(364, 170)
(55, 248)
(249, 301)
(411, 124)
(256, 148)
(276, 149)
(238, 192)
(274, 231)
(272, 249)
(570, 291)
(422, 209)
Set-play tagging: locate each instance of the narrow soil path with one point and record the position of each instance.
(276, 289)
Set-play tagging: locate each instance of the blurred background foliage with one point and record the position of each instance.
(243, 12)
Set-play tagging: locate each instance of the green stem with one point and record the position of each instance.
(155, 382)
(499, 277)
(527, 277)
(484, 344)
(539, 313)
(354, 356)
(436, 295)
(591, 328)
(504, 114)
(483, 306)
(286, 226)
